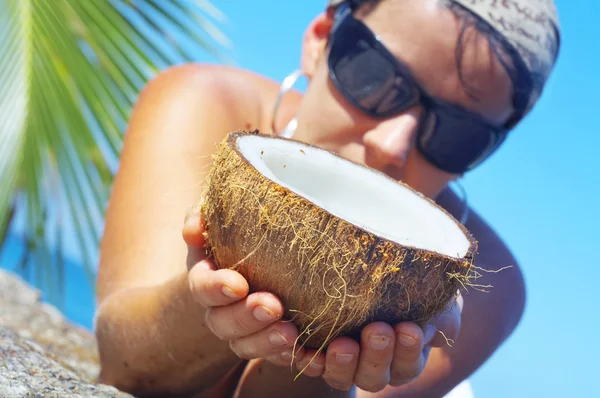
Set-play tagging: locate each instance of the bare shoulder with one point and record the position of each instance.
(176, 124)
(240, 96)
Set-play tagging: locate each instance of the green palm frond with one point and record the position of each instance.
(70, 72)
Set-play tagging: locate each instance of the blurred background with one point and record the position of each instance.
(70, 71)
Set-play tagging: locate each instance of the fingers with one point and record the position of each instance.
(447, 326)
(193, 235)
(446, 329)
(377, 352)
(311, 364)
(254, 313)
(460, 302)
(250, 324)
(341, 363)
(212, 287)
(269, 342)
(429, 333)
(385, 356)
(193, 228)
(408, 361)
(286, 358)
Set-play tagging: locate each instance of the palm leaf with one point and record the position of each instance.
(70, 72)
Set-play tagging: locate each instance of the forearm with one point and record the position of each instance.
(153, 342)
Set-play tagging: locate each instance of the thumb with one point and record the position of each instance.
(193, 211)
(448, 324)
(193, 233)
(194, 227)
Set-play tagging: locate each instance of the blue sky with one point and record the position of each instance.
(539, 192)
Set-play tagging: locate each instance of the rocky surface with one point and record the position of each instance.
(41, 353)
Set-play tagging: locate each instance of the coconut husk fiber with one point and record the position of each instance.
(332, 276)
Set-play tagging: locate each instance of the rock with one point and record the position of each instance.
(41, 353)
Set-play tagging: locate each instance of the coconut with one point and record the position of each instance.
(342, 245)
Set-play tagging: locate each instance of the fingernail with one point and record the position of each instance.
(406, 340)
(344, 358)
(460, 301)
(277, 338)
(263, 314)
(227, 291)
(379, 342)
(315, 365)
(286, 355)
(191, 212)
(190, 219)
(204, 265)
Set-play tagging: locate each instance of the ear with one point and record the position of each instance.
(315, 41)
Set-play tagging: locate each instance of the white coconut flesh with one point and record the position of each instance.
(361, 196)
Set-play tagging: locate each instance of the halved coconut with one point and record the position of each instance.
(342, 245)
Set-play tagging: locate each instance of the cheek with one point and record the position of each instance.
(423, 176)
(353, 151)
(326, 109)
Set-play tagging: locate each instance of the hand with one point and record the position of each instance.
(251, 323)
(253, 326)
(384, 356)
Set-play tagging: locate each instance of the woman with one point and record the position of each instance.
(423, 90)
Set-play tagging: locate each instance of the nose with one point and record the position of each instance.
(391, 140)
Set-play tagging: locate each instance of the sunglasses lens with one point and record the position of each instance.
(366, 76)
(455, 144)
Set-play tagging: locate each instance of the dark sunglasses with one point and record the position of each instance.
(372, 79)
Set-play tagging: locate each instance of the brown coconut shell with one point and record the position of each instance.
(332, 276)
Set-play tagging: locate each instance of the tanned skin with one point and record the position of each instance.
(165, 325)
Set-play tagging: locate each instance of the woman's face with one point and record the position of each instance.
(422, 35)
